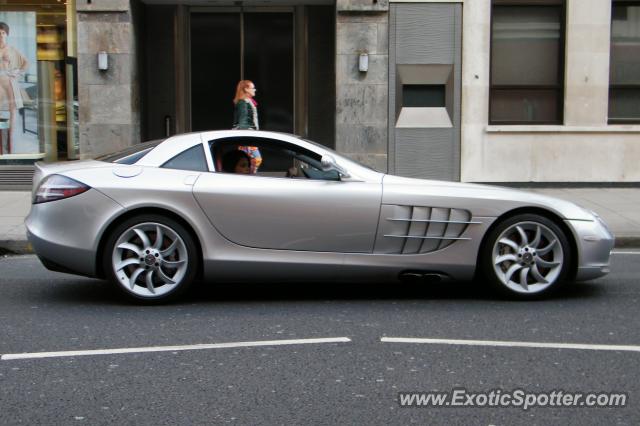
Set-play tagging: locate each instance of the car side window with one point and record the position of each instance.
(278, 159)
(190, 159)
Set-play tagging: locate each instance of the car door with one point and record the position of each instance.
(273, 212)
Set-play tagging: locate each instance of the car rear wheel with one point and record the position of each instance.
(151, 258)
(526, 256)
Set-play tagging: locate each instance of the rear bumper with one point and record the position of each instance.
(65, 234)
(59, 258)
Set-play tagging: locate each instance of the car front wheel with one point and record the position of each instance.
(151, 258)
(526, 256)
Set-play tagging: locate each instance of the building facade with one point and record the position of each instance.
(469, 90)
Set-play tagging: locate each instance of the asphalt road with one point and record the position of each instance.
(352, 382)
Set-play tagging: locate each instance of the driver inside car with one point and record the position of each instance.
(236, 161)
(295, 171)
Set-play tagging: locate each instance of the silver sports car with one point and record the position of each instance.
(159, 215)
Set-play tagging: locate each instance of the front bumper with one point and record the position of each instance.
(595, 242)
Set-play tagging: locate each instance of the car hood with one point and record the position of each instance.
(481, 200)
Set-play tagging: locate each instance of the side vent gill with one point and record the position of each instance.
(420, 230)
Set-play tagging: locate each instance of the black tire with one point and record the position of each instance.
(160, 272)
(525, 267)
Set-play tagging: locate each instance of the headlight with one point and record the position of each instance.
(596, 215)
(601, 221)
(58, 187)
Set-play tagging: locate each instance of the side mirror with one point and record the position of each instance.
(328, 163)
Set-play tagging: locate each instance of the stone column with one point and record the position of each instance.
(587, 46)
(476, 65)
(109, 112)
(362, 26)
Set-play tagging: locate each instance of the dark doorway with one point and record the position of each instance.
(228, 47)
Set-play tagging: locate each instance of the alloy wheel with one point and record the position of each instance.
(150, 260)
(527, 257)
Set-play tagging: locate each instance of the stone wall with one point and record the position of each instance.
(587, 70)
(584, 148)
(362, 97)
(109, 112)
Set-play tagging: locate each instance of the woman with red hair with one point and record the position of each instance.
(246, 108)
(245, 117)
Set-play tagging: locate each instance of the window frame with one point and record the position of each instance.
(201, 151)
(260, 142)
(560, 87)
(624, 86)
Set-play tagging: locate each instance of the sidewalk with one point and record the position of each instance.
(14, 207)
(619, 207)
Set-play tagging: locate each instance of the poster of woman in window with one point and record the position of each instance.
(18, 82)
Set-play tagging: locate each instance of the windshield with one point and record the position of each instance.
(131, 154)
(338, 154)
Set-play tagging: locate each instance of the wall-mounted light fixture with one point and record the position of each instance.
(103, 61)
(363, 62)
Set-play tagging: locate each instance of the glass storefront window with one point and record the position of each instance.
(38, 81)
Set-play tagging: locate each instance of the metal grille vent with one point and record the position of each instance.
(426, 229)
(16, 177)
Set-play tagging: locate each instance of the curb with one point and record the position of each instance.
(16, 247)
(627, 242)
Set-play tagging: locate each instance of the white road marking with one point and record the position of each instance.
(630, 348)
(33, 355)
(625, 252)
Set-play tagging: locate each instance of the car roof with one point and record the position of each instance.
(175, 145)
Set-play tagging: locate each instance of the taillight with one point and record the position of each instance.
(57, 187)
